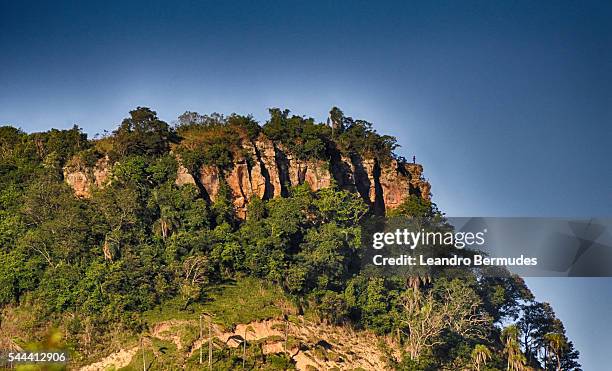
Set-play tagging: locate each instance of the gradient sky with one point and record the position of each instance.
(507, 106)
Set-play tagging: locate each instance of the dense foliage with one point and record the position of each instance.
(214, 140)
(87, 265)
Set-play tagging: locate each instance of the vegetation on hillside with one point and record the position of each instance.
(94, 268)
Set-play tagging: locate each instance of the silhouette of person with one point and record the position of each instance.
(414, 159)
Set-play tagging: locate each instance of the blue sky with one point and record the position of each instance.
(507, 105)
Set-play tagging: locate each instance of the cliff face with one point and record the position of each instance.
(82, 178)
(270, 170)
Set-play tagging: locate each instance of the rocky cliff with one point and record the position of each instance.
(81, 178)
(269, 170)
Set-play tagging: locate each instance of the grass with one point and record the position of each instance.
(165, 359)
(244, 301)
(173, 310)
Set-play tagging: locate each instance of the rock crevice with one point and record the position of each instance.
(268, 170)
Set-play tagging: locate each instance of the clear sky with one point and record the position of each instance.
(507, 105)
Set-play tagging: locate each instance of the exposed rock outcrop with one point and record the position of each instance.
(79, 181)
(266, 170)
(81, 178)
(266, 156)
(183, 177)
(399, 179)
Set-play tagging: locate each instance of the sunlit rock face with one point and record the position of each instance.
(82, 178)
(269, 170)
(79, 181)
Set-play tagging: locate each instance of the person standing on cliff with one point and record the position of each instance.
(414, 159)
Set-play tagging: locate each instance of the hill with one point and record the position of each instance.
(117, 248)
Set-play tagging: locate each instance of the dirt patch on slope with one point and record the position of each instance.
(309, 345)
(117, 360)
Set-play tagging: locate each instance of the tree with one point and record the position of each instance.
(417, 207)
(359, 138)
(57, 222)
(480, 355)
(190, 118)
(504, 296)
(450, 305)
(557, 344)
(143, 133)
(516, 360)
(537, 320)
(169, 204)
(339, 206)
(300, 136)
(336, 117)
(223, 207)
(10, 141)
(212, 140)
(62, 144)
(195, 275)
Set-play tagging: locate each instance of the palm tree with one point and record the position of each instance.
(247, 329)
(169, 215)
(480, 355)
(169, 221)
(557, 344)
(512, 348)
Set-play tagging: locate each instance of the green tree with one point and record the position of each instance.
(480, 356)
(336, 116)
(516, 360)
(143, 133)
(557, 344)
(449, 306)
(537, 320)
(359, 138)
(301, 136)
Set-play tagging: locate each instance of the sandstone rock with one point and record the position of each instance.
(209, 178)
(418, 185)
(267, 159)
(342, 173)
(79, 181)
(239, 183)
(317, 174)
(102, 172)
(425, 189)
(267, 170)
(81, 178)
(394, 180)
(257, 179)
(183, 177)
(371, 170)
